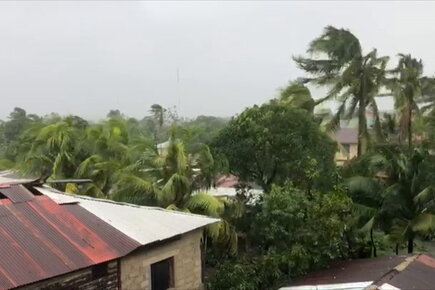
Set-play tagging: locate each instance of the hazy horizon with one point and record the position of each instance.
(206, 58)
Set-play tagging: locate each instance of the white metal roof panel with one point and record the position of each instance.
(141, 223)
(10, 177)
(339, 286)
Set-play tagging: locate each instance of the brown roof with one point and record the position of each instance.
(403, 272)
(351, 271)
(40, 239)
(228, 180)
(347, 136)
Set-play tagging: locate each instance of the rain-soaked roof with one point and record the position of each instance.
(46, 233)
(40, 239)
(390, 272)
(142, 223)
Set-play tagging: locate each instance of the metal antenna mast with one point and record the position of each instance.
(178, 92)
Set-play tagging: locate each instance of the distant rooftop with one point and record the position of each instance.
(393, 272)
(347, 136)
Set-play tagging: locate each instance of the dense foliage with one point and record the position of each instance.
(289, 234)
(310, 211)
(276, 142)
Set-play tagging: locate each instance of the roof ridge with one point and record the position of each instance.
(123, 203)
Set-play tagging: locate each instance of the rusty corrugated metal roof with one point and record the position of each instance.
(351, 271)
(40, 239)
(402, 272)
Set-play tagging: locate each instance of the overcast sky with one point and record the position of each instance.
(86, 58)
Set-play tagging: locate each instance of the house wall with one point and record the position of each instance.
(80, 280)
(341, 156)
(186, 251)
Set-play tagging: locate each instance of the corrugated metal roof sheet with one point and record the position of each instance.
(351, 271)
(17, 193)
(339, 286)
(395, 272)
(47, 235)
(141, 223)
(40, 239)
(10, 177)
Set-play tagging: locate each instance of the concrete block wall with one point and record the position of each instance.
(186, 251)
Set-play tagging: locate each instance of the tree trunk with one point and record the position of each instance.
(373, 243)
(409, 126)
(410, 246)
(397, 249)
(362, 126)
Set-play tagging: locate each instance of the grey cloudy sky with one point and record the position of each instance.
(86, 58)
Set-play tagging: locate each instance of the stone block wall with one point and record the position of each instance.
(186, 251)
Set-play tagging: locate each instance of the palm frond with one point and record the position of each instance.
(206, 203)
(423, 223)
(424, 196)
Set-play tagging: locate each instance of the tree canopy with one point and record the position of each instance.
(275, 143)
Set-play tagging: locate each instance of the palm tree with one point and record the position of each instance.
(409, 196)
(366, 193)
(177, 180)
(54, 150)
(158, 113)
(409, 86)
(354, 78)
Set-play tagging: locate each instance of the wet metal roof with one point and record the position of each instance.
(144, 224)
(40, 239)
(394, 272)
(46, 233)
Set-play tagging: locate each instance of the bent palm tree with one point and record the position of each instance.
(354, 79)
(408, 87)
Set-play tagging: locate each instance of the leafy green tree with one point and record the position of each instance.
(298, 96)
(11, 131)
(276, 143)
(355, 78)
(201, 130)
(291, 234)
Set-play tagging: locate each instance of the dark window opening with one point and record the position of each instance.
(2, 196)
(162, 274)
(99, 271)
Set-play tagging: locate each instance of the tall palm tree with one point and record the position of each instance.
(354, 78)
(158, 113)
(408, 87)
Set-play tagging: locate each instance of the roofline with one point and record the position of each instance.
(125, 203)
